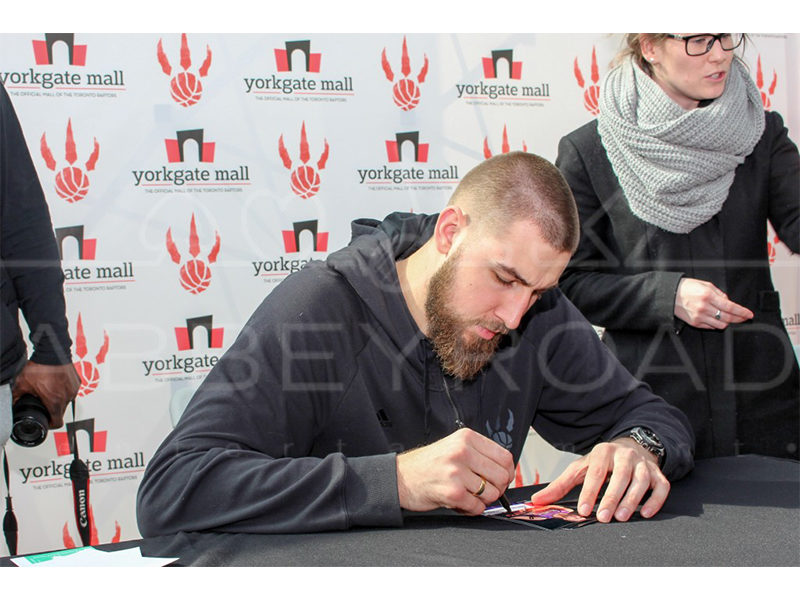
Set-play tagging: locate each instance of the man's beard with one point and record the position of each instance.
(460, 357)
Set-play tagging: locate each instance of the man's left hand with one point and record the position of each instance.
(634, 470)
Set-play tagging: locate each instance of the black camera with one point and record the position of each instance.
(31, 420)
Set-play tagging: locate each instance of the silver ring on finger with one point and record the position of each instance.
(718, 315)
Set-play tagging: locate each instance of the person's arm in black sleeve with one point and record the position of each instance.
(784, 184)
(244, 456)
(608, 292)
(589, 404)
(31, 266)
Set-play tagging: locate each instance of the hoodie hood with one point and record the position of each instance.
(368, 264)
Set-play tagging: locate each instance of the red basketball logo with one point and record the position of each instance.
(591, 93)
(87, 370)
(405, 91)
(185, 86)
(186, 89)
(195, 274)
(305, 180)
(72, 184)
(406, 94)
(90, 377)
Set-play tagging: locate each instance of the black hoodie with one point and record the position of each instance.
(298, 425)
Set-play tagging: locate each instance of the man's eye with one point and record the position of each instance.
(502, 281)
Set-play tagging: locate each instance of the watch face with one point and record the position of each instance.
(648, 440)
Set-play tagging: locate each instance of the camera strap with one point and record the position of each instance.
(10, 528)
(79, 475)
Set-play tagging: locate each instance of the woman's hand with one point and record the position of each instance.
(702, 304)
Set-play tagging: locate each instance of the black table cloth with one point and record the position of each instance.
(733, 511)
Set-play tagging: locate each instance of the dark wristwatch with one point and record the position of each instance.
(648, 440)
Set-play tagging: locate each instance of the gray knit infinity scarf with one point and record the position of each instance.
(676, 166)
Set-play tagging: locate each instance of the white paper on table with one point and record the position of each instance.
(92, 557)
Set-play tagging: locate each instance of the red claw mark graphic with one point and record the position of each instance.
(766, 96)
(304, 179)
(487, 153)
(195, 274)
(591, 93)
(405, 92)
(69, 542)
(772, 251)
(185, 87)
(72, 184)
(88, 371)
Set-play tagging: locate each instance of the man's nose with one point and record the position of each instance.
(514, 308)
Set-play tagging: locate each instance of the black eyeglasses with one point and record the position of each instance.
(697, 45)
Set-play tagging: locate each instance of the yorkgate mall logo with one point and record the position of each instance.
(300, 243)
(49, 76)
(507, 81)
(407, 167)
(82, 271)
(102, 468)
(189, 156)
(299, 77)
(189, 361)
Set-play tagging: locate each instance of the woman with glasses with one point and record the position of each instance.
(675, 182)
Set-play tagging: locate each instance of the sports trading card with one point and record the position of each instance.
(550, 516)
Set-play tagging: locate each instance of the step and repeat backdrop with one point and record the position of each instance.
(188, 174)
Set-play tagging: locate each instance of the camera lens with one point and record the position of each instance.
(30, 421)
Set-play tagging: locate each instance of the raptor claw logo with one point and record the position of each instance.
(72, 184)
(766, 96)
(304, 179)
(185, 86)
(487, 152)
(87, 370)
(772, 251)
(69, 542)
(405, 92)
(591, 93)
(502, 435)
(195, 274)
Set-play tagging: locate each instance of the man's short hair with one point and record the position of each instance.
(520, 186)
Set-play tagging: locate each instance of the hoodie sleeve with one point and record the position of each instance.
(589, 397)
(244, 455)
(32, 279)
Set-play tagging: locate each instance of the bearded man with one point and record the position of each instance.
(405, 371)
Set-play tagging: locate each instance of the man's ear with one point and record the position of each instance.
(450, 222)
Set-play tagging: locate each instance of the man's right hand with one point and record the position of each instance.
(54, 385)
(449, 472)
